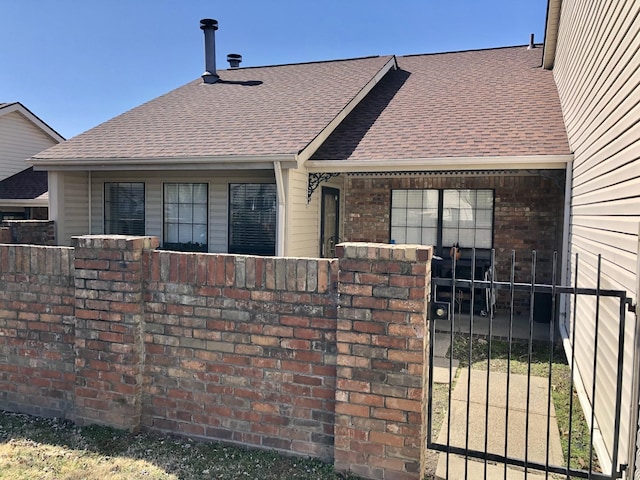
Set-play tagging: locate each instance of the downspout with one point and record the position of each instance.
(280, 232)
(566, 254)
(90, 219)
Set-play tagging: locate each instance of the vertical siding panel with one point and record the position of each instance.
(218, 217)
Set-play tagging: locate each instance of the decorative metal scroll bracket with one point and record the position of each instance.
(315, 179)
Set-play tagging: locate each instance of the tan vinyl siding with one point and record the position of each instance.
(218, 182)
(69, 200)
(303, 223)
(597, 65)
(19, 140)
(305, 218)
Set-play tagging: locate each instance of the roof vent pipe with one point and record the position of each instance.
(209, 26)
(234, 60)
(531, 43)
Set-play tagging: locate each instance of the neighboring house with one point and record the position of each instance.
(592, 48)
(23, 191)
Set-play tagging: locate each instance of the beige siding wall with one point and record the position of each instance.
(597, 72)
(303, 224)
(69, 204)
(19, 140)
(218, 182)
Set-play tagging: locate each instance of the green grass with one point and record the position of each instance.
(48, 449)
(561, 391)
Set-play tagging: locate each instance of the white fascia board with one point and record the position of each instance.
(249, 162)
(436, 164)
(311, 148)
(551, 33)
(26, 202)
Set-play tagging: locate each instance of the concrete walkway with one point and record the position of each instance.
(517, 440)
(441, 363)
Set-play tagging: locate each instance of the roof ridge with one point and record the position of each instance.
(309, 63)
(468, 50)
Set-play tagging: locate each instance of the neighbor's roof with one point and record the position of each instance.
(275, 110)
(25, 185)
(483, 103)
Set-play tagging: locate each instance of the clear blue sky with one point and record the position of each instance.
(78, 63)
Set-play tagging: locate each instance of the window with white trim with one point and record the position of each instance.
(443, 217)
(186, 216)
(124, 208)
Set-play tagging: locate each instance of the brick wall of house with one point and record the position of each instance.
(37, 370)
(28, 232)
(528, 214)
(314, 357)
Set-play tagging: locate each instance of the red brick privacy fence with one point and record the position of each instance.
(32, 232)
(313, 357)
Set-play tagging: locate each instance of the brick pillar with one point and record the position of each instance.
(381, 335)
(109, 329)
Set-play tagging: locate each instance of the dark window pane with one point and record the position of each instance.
(252, 218)
(124, 208)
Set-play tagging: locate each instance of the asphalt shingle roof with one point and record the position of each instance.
(496, 102)
(25, 185)
(251, 111)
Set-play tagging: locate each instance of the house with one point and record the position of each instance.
(592, 50)
(290, 159)
(522, 148)
(23, 191)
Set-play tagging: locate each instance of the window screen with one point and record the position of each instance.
(185, 216)
(124, 208)
(414, 216)
(467, 218)
(252, 218)
(443, 217)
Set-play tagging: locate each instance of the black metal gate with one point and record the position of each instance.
(515, 382)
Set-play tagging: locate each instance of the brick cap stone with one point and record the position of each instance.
(391, 251)
(115, 241)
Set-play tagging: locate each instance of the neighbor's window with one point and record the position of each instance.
(252, 218)
(443, 217)
(185, 216)
(124, 208)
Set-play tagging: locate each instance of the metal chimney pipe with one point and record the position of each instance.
(209, 26)
(531, 42)
(234, 60)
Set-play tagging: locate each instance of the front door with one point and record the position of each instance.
(329, 224)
